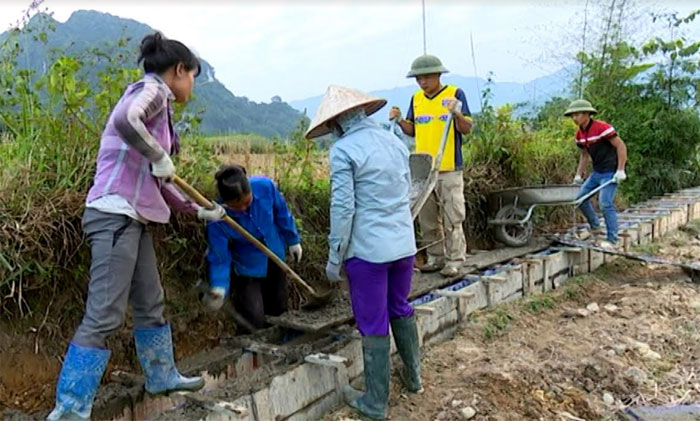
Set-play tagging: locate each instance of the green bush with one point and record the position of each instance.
(651, 94)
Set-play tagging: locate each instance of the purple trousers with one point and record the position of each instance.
(379, 292)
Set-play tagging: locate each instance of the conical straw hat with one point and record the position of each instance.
(336, 101)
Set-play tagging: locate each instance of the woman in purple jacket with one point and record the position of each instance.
(131, 190)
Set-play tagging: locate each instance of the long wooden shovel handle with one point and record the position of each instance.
(204, 202)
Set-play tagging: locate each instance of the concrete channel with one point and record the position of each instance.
(287, 374)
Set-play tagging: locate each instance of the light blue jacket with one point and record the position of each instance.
(370, 211)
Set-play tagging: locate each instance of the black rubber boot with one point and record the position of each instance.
(406, 339)
(374, 401)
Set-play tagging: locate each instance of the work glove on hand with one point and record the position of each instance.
(395, 113)
(333, 272)
(296, 251)
(619, 176)
(213, 299)
(163, 168)
(454, 106)
(578, 179)
(215, 213)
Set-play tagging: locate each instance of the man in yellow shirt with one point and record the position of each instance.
(444, 212)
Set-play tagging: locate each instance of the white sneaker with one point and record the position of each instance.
(451, 269)
(433, 264)
(605, 244)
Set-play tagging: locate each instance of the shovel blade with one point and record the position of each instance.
(320, 299)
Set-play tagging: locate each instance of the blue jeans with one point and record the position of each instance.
(605, 199)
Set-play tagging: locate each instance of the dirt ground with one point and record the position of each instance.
(546, 357)
(627, 335)
(29, 369)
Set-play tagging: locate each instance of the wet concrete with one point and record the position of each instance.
(227, 391)
(674, 413)
(292, 351)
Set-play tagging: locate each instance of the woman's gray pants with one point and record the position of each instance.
(123, 270)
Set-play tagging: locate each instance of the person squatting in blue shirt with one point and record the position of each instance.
(259, 286)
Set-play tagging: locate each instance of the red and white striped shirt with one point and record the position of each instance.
(595, 138)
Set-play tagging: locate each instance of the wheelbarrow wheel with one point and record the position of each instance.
(515, 235)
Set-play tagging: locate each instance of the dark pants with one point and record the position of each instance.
(256, 297)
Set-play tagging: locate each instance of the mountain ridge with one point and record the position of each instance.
(535, 92)
(223, 111)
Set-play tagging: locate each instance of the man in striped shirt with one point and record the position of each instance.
(599, 143)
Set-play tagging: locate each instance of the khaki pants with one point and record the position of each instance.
(442, 217)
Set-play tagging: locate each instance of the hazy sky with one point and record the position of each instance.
(296, 48)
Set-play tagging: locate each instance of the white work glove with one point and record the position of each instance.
(454, 106)
(296, 251)
(333, 272)
(216, 213)
(163, 168)
(213, 299)
(578, 179)
(619, 176)
(395, 113)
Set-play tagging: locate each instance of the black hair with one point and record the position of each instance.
(159, 54)
(335, 128)
(232, 182)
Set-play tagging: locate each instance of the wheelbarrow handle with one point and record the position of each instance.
(580, 200)
(204, 202)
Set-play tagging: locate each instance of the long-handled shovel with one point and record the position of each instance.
(428, 188)
(314, 298)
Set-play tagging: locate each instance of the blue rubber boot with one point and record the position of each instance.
(154, 347)
(375, 399)
(77, 384)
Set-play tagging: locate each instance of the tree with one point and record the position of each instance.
(649, 92)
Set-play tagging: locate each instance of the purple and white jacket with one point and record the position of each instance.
(140, 131)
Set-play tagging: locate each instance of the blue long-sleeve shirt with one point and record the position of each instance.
(370, 210)
(267, 218)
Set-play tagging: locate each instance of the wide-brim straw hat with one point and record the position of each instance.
(338, 100)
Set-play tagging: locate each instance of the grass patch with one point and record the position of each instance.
(496, 323)
(539, 304)
(574, 289)
(241, 144)
(650, 248)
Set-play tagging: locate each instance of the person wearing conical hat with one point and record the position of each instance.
(371, 238)
(443, 214)
(600, 144)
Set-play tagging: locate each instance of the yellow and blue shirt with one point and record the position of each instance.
(428, 115)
